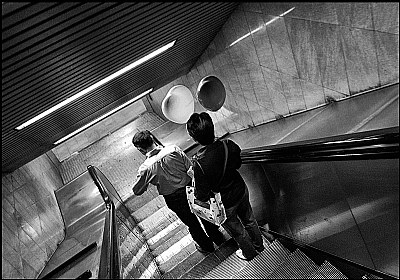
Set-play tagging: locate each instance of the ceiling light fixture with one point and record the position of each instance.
(102, 117)
(96, 85)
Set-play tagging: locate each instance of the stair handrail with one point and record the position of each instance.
(333, 259)
(375, 144)
(109, 258)
(103, 192)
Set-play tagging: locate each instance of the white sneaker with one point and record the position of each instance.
(239, 253)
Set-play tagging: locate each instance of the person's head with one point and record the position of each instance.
(143, 141)
(201, 128)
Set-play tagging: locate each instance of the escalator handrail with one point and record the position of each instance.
(377, 144)
(330, 257)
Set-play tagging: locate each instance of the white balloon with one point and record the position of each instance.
(178, 104)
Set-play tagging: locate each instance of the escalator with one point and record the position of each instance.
(320, 196)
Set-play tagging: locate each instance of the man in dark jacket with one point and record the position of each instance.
(208, 167)
(166, 168)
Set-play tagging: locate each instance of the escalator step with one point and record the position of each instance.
(331, 272)
(317, 275)
(233, 267)
(296, 266)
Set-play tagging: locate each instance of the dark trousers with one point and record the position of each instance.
(178, 203)
(242, 226)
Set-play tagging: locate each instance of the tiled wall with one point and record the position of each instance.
(294, 62)
(32, 225)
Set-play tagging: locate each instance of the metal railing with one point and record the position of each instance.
(110, 267)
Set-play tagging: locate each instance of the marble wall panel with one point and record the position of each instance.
(261, 41)
(313, 94)
(259, 86)
(360, 58)
(333, 93)
(189, 77)
(196, 76)
(200, 68)
(8, 271)
(228, 33)
(12, 257)
(330, 56)
(293, 93)
(358, 15)
(387, 51)
(281, 46)
(386, 16)
(212, 55)
(256, 112)
(206, 63)
(11, 237)
(304, 51)
(235, 55)
(245, 84)
(274, 85)
(278, 8)
(221, 44)
(29, 238)
(315, 11)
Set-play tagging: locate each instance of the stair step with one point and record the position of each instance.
(296, 266)
(331, 272)
(175, 253)
(164, 232)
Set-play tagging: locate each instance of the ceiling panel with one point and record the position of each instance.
(53, 50)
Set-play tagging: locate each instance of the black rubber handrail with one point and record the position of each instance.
(109, 260)
(377, 144)
(349, 268)
(109, 257)
(97, 182)
(71, 261)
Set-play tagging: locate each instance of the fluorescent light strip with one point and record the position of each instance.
(96, 85)
(103, 116)
(257, 29)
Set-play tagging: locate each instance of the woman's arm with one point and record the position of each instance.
(202, 188)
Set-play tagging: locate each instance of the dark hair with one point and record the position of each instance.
(201, 128)
(142, 139)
